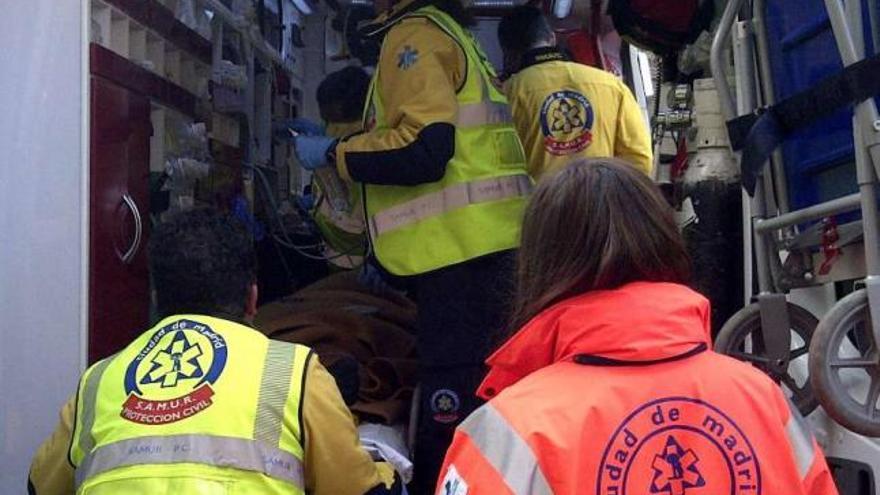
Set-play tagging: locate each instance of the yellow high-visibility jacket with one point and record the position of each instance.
(565, 111)
(444, 172)
(195, 402)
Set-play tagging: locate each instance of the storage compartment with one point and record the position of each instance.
(155, 53)
(137, 43)
(172, 64)
(100, 24)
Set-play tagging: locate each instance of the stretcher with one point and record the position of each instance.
(807, 128)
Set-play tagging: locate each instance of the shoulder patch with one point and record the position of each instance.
(567, 122)
(170, 379)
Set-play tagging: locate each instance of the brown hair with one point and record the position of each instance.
(596, 225)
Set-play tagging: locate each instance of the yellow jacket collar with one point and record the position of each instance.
(391, 17)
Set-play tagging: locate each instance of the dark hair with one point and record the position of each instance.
(596, 225)
(524, 28)
(456, 10)
(202, 262)
(342, 94)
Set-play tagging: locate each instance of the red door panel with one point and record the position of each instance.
(118, 275)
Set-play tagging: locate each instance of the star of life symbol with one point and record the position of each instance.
(407, 58)
(445, 403)
(675, 470)
(453, 483)
(567, 117)
(179, 361)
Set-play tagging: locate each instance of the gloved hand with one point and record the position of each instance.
(312, 151)
(305, 126)
(298, 125)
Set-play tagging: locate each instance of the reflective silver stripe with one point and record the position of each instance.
(801, 440)
(274, 390)
(224, 452)
(506, 451)
(89, 404)
(448, 199)
(485, 113)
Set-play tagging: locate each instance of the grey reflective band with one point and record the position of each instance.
(485, 113)
(222, 452)
(274, 391)
(506, 451)
(448, 199)
(801, 440)
(89, 405)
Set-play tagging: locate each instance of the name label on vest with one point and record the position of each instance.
(170, 378)
(678, 446)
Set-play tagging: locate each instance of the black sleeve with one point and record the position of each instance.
(420, 162)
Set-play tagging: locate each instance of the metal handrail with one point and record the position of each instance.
(719, 46)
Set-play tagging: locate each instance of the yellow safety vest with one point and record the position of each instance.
(194, 405)
(476, 208)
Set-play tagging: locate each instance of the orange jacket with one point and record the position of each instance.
(617, 393)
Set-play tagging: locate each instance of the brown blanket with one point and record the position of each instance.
(339, 318)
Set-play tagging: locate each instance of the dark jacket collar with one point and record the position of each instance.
(537, 56)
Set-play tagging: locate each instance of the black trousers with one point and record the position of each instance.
(462, 311)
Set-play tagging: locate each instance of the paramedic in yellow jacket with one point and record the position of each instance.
(445, 185)
(202, 403)
(564, 110)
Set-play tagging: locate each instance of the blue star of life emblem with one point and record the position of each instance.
(407, 58)
(178, 361)
(675, 470)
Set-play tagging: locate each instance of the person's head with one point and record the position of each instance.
(596, 225)
(455, 8)
(342, 94)
(524, 29)
(203, 262)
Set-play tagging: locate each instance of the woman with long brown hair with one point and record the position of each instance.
(609, 385)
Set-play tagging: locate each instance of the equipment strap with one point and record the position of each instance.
(448, 199)
(761, 132)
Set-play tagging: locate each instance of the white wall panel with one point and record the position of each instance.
(42, 201)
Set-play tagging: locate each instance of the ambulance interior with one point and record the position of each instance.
(165, 105)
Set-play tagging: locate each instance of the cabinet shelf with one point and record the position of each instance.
(157, 17)
(116, 68)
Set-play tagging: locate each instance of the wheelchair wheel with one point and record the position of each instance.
(845, 365)
(741, 338)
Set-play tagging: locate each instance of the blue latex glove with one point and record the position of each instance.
(312, 151)
(305, 126)
(298, 125)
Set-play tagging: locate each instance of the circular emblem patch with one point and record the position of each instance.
(566, 122)
(445, 404)
(679, 446)
(171, 377)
